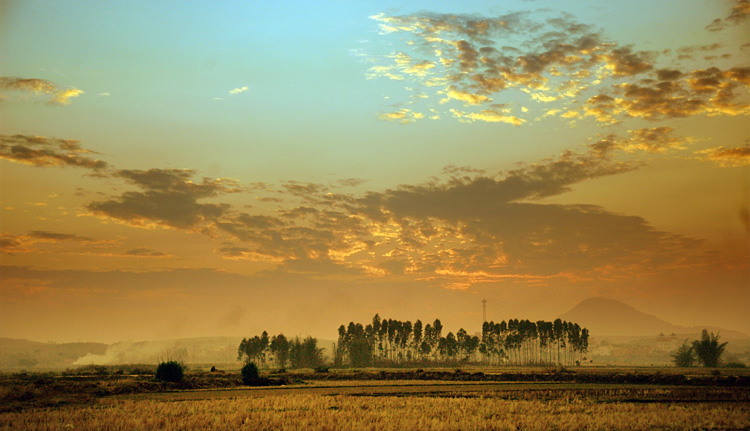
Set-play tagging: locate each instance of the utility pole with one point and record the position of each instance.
(484, 311)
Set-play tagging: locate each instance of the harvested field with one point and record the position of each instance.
(414, 407)
(380, 400)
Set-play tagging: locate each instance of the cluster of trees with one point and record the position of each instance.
(298, 353)
(525, 342)
(518, 341)
(707, 351)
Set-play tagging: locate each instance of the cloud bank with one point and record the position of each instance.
(480, 62)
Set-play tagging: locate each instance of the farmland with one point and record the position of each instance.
(444, 399)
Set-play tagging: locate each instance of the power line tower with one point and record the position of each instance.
(484, 311)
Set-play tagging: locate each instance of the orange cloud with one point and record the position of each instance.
(471, 228)
(728, 157)
(486, 227)
(144, 252)
(40, 242)
(12, 244)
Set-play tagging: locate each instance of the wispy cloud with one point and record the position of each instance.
(489, 116)
(42, 151)
(739, 13)
(403, 116)
(55, 242)
(145, 252)
(648, 140)
(238, 90)
(58, 96)
(64, 243)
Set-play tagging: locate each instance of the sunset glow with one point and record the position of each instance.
(224, 168)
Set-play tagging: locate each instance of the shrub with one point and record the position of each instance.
(170, 371)
(250, 374)
(321, 369)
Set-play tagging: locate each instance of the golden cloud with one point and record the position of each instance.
(488, 116)
(403, 116)
(709, 91)
(59, 96)
(41, 241)
(479, 60)
(728, 157)
(561, 60)
(653, 140)
(63, 97)
(624, 62)
(650, 140)
(467, 98)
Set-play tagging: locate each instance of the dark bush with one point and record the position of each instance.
(321, 369)
(250, 374)
(170, 371)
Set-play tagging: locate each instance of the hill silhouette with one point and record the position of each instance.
(604, 316)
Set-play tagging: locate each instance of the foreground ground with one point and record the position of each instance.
(381, 400)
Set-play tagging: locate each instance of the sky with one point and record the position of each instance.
(173, 169)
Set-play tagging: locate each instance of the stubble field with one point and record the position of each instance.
(388, 401)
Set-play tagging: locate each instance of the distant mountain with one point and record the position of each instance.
(604, 316)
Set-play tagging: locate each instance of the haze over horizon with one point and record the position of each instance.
(233, 167)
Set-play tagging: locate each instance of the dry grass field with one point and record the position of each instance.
(339, 401)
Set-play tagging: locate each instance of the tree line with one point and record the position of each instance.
(297, 353)
(385, 342)
(518, 342)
